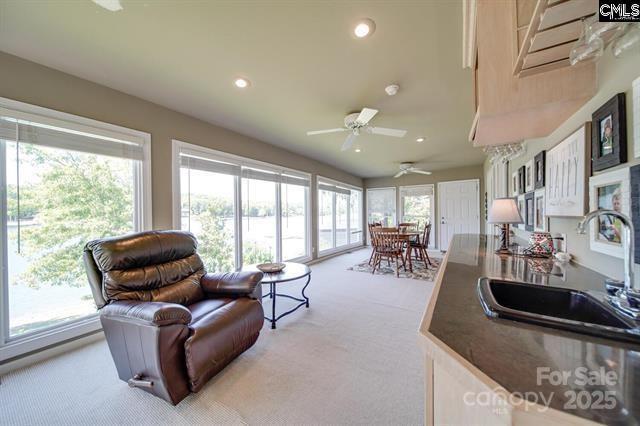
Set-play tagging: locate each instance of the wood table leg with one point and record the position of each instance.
(409, 256)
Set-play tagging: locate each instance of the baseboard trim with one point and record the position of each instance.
(339, 253)
(51, 351)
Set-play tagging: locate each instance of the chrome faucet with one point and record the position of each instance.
(624, 295)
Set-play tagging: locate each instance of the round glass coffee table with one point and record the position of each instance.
(293, 271)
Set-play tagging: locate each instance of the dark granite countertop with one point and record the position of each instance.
(511, 352)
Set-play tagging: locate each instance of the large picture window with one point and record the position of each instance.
(339, 216)
(241, 211)
(381, 206)
(66, 180)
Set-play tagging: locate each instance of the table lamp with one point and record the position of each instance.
(505, 212)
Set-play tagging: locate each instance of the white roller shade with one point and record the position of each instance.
(333, 188)
(51, 135)
(197, 163)
(416, 191)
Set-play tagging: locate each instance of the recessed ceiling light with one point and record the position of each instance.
(420, 139)
(242, 83)
(358, 150)
(364, 28)
(110, 5)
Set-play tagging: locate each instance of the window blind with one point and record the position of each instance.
(206, 165)
(44, 134)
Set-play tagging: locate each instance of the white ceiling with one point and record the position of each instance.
(306, 69)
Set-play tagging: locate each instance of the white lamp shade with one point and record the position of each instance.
(504, 210)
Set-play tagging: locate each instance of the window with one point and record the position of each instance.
(67, 181)
(207, 209)
(381, 206)
(339, 215)
(295, 214)
(242, 211)
(416, 204)
(258, 218)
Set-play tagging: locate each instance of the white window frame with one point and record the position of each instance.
(400, 208)
(179, 146)
(11, 347)
(350, 245)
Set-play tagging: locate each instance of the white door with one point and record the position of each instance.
(459, 209)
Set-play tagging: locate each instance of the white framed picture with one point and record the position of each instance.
(567, 167)
(540, 221)
(609, 191)
(528, 176)
(514, 183)
(523, 213)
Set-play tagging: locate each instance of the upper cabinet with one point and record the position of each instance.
(519, 50)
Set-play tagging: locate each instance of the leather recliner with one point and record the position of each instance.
(170, 326)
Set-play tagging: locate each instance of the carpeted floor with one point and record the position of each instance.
(352, 358)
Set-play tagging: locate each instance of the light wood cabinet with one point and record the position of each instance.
(513, 102)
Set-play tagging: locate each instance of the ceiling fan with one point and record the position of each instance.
(406, 168)
(357, 122)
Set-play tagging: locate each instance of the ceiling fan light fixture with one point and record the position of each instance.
(364, 28)
(241, 83)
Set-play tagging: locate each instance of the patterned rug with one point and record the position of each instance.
(420, 272)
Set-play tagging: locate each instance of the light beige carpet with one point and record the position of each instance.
(352, 358)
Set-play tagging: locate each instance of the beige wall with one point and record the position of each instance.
(614, 76)
(460, 173)
(35, 84)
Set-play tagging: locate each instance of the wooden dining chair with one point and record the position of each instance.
(388, 246)
(373, 246)
(421, 245)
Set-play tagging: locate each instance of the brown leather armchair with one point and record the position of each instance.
(170, 325)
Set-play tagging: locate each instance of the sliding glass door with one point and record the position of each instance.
(242, 211)
(339, 216)
(64, 183)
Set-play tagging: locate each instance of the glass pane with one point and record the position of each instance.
(342, 206)
(258, 221)
(416, 208)
(355, 216)
(381, 206)
(58, 200)
(325, 219)
(207, 210)
(294, 222)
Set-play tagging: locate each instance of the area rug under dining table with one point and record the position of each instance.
(420, 270)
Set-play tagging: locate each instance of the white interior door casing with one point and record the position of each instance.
(458, 209)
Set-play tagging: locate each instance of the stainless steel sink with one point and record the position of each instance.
(582, 312)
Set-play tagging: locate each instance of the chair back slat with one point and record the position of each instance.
(426, 234)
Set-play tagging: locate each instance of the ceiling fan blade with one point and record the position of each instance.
(320, 132)
(388, 132)
(400, 173)
(348, 142)
(421, 172)
(366, 115)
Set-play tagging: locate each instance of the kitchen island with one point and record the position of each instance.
(495, 371)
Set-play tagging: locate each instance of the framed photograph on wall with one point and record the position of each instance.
(521, 180)
(522, 212)
(528, 176)
(529, 210)
(634, 189)
(567, 169)
(540, 222)
(538, 170)
(609, 134)
(609, 191)
(514, 184)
